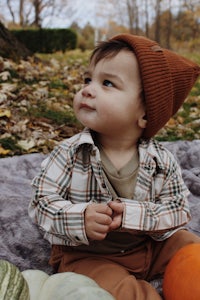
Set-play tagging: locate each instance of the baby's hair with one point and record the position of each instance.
(108, 49)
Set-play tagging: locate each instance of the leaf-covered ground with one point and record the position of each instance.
(36, 104)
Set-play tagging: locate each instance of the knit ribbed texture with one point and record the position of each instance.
(167, 79)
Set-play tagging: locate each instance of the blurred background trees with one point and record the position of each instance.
(174, 23)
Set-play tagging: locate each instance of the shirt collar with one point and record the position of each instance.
(85, 137)
(150, 151)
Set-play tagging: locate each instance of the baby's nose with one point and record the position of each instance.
(88, 91)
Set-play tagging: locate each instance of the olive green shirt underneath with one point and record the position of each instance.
(121, 183)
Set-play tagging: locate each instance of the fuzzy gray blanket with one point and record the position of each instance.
(22, 244)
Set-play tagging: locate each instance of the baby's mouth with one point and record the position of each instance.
(86, 106)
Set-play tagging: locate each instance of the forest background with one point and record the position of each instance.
(36, 93)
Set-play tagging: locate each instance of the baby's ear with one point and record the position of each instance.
(142, 122)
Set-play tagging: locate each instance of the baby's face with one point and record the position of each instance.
(110, 100)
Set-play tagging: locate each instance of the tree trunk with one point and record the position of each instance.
(37, 8)
(169, 28)
(10, 47)
(21, 13)
(147, 18)
(157, 23)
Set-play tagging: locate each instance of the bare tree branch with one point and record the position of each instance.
(11, 10)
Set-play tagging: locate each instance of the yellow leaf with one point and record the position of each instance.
(171, 122)
(5, 113)
(4, 151)
(180, 119)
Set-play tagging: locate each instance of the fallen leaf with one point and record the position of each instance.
(5, 113)
(8, 87)
(5, 75)
(4, 151)
(26, 144)
(3, 97)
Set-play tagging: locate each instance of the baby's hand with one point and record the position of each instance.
(98, 218)
(117, 208)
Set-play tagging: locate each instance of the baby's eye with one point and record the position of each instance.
(108, 83)
(87, 80)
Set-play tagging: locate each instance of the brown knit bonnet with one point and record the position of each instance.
(167, 79)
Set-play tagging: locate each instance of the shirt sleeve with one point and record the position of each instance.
(161, 216)
(50, 207)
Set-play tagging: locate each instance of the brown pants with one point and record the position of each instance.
(125, 275)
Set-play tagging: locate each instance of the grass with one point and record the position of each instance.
(69, 58)
(10, 143)
(57, 117)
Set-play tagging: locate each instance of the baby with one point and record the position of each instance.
(111, 199)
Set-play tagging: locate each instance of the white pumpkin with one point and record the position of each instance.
(35, 280)
(61, 286)
(89, 293)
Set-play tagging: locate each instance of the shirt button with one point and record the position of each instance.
(93, 152)
(103, 185)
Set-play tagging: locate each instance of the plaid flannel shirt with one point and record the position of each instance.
(71, 178)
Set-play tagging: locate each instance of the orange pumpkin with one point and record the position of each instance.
(182, 275)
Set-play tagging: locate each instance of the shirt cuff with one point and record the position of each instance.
(75, 224)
